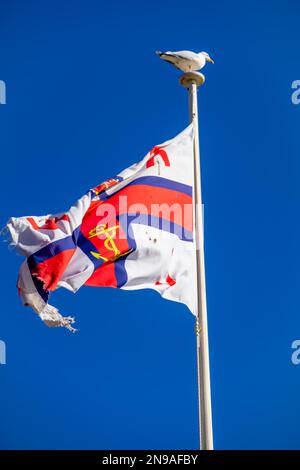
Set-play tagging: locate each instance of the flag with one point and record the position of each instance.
(133, 231)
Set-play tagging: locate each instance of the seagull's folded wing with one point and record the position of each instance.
(186, 55)
(170, 58)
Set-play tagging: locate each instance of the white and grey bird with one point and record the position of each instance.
(186, 60)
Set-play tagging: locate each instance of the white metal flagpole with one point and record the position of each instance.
(191, 81)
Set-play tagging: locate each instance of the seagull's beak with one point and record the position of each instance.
(210, 60)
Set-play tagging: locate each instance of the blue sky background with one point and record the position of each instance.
(86, 97)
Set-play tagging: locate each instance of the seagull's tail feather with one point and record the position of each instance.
(159, 53)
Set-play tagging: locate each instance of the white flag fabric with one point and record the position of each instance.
(133, 231)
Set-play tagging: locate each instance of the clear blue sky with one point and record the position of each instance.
(86, 97)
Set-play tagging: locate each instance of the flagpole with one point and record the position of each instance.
(191, 81)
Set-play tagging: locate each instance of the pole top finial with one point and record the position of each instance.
(192, 77)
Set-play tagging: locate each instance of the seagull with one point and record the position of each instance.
(186, 60)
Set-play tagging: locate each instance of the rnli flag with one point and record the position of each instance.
(133, 231)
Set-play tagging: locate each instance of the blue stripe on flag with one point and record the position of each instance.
(159, 182)
(54, 248)
(119, 264)
(156, 222)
